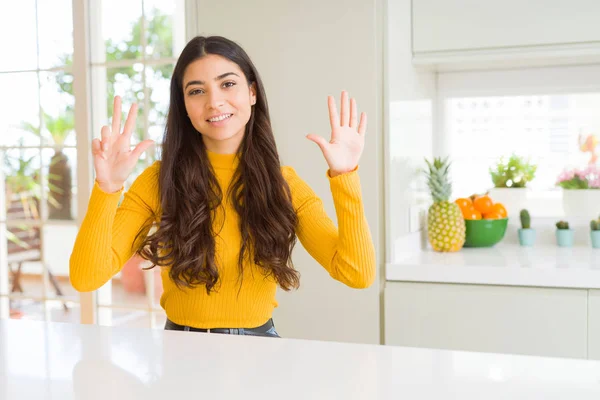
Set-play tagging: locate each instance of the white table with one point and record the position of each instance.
(64, 361)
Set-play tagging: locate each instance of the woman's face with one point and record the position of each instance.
(218, 101)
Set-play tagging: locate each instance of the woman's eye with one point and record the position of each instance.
(229, 84)
(195, 91)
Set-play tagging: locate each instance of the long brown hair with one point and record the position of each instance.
(190, 193)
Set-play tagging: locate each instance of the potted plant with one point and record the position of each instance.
(595, 233)
(564, 234)
(581, 191)
(59, 170)
(526, 233)
(510, 179)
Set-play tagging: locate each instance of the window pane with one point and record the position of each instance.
(27, 309)
(19, 50)
(158, 79)
(159, 31)
(25, 269)
(129, 286)
(121, 29)
(58, 103)
(64, 311)
(57, 245)
(20, 168)
(55, 26)
(19, 114)
(59, 183)
(545, 129)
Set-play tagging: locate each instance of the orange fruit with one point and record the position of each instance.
(483, 204)
(492, 215)
(498, 208)
(476, 195)
(471, 213)
(464, 202)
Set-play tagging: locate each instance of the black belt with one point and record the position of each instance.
(170, 325)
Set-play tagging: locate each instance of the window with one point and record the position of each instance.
(541, 114)
(547, 129)
(38, 159)
(133, 56)
(133, 51)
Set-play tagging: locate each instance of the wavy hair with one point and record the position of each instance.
(184, 237)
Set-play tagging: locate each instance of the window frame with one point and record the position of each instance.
(513, 82)
(89, 93)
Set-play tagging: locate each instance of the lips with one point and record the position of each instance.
(220, 117)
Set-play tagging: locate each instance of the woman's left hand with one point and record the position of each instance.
(345, 147)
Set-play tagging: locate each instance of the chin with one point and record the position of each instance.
(214, 134)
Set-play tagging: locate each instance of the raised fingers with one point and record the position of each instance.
(353, 113)
(96, 147)
(106, 138)
(141, 147)
(116, 117)
(333, 114)
(345, 114)
(362, 126)
(130, 122)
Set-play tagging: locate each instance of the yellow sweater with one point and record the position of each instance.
(103, 246)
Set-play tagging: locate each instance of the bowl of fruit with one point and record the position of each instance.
(485, 221)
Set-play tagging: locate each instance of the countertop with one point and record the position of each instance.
(69, 361)
(503, 264)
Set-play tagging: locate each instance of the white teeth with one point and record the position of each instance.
(221, 118)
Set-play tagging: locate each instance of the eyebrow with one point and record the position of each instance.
(218, 78)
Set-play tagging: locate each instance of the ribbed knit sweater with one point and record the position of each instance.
(104, 244)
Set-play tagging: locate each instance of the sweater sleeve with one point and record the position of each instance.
(104, 242)
(347, 252)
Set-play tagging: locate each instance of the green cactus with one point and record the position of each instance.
(562, 225)
(525, 219)
(595, 224)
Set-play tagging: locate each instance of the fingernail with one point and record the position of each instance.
(104, 146)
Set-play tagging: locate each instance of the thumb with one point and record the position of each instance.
(141, 147)
(319, 141)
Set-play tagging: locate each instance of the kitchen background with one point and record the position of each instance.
(476, 81)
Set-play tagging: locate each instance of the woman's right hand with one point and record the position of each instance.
(113, 158)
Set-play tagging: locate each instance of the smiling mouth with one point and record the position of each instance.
(220, 118)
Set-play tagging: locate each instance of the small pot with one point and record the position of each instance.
(526, 236)
(595, 236)
(565, 237)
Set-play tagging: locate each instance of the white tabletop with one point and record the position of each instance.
(503, 264)
(65, 361)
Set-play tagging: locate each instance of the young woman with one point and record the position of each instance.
(218, 213)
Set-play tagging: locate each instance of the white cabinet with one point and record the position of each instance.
(442, 25)
(594, 325)
(501, 319)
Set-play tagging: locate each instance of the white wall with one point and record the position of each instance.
(411, 99)
(304, 51)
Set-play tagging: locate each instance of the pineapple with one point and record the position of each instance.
(445, 222)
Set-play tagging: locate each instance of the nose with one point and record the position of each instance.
(215, 100)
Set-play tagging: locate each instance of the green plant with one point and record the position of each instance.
(22, 180)
(562, 225)
(59, 171)
(23, 190)
(516, 173)
(595, 224)
(525, 219)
